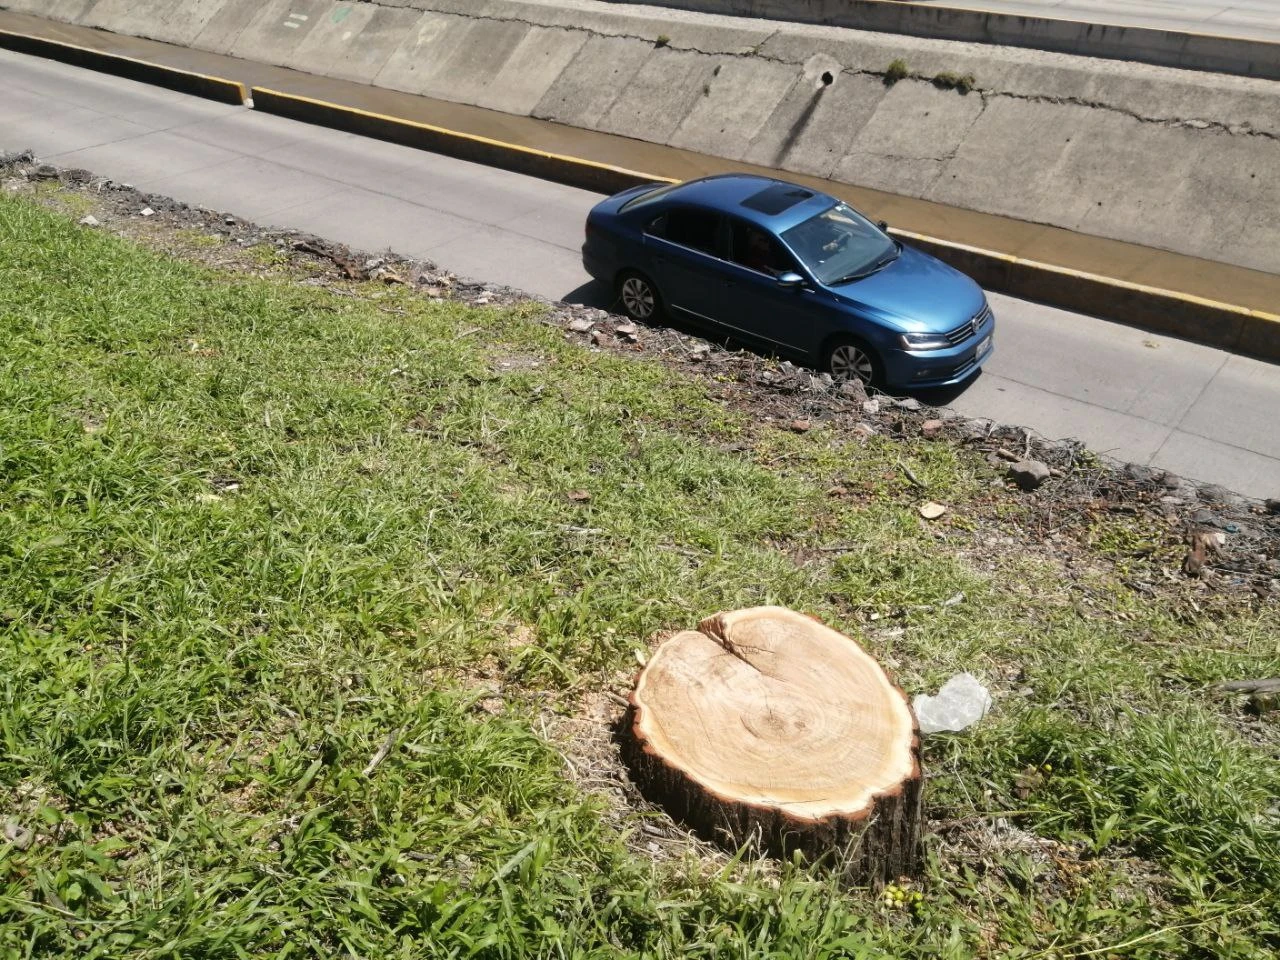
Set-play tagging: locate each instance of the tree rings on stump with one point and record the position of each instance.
(766, 728)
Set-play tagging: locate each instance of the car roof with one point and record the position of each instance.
(773, 204)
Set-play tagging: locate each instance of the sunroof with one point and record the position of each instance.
(775, 199)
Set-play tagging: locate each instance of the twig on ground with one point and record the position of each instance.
(915, 481)
(387, 745)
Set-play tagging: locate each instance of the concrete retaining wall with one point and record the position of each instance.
(1167, 48)
(1171, 159)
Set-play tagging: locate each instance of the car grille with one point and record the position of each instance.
(963, 368)
(970, 327)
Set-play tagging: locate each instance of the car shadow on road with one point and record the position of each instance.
(601, 297)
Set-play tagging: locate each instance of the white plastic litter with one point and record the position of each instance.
(961, 703)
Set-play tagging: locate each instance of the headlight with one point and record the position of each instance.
(924, 341)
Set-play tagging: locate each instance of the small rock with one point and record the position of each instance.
(579, 496)
(44, 172)
(597, 338)
(1215, 493)
(147, 212)
(853, 390)
(89, 221)
(908, 403)
(580, 325)
(1273, 507)
(931, 428)
(871, 407)
(975, 429)
(801, 426)
(932, 511)
(18, 835)
(864, 429)
(1029, 474)
(1136, 471)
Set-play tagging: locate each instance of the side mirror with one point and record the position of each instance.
(883, 225)
(790, 280)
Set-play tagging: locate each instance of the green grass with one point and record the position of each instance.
(251, 529)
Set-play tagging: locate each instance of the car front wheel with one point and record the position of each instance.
(640, 298)
(849, 359)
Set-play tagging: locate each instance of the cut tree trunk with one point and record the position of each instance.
(767, 729)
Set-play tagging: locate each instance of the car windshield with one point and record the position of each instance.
(840, 245)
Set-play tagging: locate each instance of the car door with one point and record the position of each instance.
(788, 318)
(685, 245)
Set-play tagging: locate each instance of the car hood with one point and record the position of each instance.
(915, 292)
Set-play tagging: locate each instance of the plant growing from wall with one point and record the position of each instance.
(947, 80)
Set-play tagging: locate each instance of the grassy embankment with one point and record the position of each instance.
(250, 528)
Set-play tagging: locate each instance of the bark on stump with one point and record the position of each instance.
(766, 728)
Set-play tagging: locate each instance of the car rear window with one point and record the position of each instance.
(645, 199)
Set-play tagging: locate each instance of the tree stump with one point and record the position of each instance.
(768, 729)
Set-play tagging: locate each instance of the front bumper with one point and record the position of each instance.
(916, 369)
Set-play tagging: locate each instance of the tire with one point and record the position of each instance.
(640, 298)
(846, 358)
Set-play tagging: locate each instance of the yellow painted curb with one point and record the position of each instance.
(467, 146)
(183, 81)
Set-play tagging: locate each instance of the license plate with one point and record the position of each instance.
(983, 346)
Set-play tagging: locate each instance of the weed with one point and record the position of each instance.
(947, 80)
(897, 70)
(662, 41)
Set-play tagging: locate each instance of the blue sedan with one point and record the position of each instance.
(795, 271)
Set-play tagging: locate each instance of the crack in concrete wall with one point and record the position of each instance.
(758, 53)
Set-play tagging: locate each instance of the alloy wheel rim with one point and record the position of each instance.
(850, 361)
(637, 298)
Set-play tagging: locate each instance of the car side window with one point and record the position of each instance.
(756, 250)
(696, 229)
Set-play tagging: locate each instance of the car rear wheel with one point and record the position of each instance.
(640, 298)
(849, 359)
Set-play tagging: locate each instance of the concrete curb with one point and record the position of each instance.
(1113, 41)
(1165, 311)
(183, 81)
(573, 171)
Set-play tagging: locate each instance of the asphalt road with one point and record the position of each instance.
(1251, 19)
(1135, 396)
